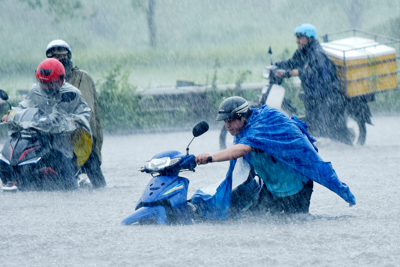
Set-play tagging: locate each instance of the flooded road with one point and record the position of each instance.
(82, 228)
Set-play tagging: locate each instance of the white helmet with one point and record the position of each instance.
(58, 46)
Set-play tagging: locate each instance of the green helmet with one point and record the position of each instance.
(233, 107)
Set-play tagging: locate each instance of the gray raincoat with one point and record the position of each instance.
(66, 111)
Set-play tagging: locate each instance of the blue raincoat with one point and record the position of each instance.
(287, 140)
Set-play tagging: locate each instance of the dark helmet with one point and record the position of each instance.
(233, 107)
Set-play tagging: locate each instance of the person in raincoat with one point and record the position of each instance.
(65, 111)
(282, 153)
(60, 50)
(323, 99)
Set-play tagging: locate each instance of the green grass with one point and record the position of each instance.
(191, 35)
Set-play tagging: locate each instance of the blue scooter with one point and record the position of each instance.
(164, 200)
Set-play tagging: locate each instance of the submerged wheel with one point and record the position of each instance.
(357, 129)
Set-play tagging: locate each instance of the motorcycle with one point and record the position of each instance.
(28, 160)
(357, 112)
(164, 200)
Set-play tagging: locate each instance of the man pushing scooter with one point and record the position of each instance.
(282, 153)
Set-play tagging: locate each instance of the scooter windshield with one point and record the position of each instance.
(29, 118)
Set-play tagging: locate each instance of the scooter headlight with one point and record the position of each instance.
(161, 163)
(265, 73)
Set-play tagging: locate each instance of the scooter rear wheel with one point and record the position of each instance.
(357, 129)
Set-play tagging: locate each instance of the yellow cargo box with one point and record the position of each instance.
(363, 65)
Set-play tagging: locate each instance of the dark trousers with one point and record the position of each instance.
(297, 203)
(93, 171)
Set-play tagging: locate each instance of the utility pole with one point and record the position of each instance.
(150, 21)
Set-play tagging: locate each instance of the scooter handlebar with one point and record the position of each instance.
(272, 70)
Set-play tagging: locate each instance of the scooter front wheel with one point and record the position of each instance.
(147, 215)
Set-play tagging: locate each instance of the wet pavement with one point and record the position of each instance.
(82, 228)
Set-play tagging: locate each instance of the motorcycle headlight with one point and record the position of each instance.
(31, 161)
(265, 73)
(2, 158)
(161, 163)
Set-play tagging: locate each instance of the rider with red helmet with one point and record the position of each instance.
(50, 76)
(64, 111)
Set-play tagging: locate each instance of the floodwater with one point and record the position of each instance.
(82, 228)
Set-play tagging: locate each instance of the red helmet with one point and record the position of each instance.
(50, 70)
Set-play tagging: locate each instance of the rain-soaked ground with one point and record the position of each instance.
(83, 228)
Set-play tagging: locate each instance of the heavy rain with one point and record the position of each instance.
(149, 71)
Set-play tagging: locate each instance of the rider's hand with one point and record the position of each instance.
(202, 158)
(294, 72)
(279, 75)
(5, 118)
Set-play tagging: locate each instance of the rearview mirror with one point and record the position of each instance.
(200, 128)
(3, 95)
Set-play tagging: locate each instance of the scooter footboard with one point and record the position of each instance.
(156, 213)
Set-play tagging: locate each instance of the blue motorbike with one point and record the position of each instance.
(164, 200)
